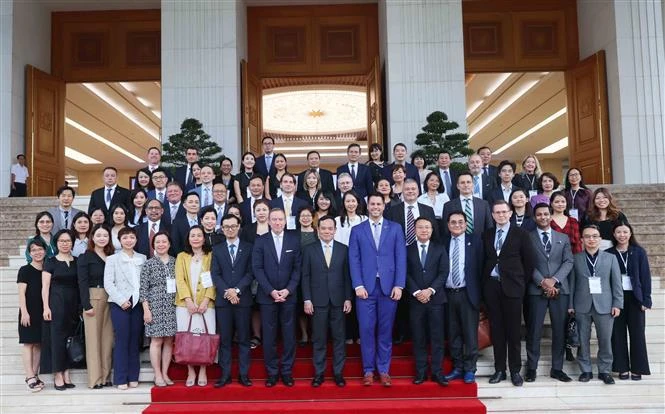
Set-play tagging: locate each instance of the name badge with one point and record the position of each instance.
(291, 222)
(594, 286)
(626, 283)
(249, 193)
(170, 285)
(574, 213)
(206, 279)
(533, 193)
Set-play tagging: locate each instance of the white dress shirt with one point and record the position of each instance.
(461, 240)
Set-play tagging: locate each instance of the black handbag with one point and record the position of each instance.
(572, 333)
(76, 344)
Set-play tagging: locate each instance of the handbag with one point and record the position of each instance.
(75, 344)
(484, 338)
(195, 348)
(572, 333)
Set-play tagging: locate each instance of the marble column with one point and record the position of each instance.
(423, 52)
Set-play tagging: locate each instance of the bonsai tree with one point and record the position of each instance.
(191, 133)
(435, 138)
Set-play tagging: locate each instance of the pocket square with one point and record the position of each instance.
(289, 251)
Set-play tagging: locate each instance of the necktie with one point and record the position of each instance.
(160, 197)
(206, 197)
(66, 226)
(220, 213)
(287, 206)
(327, 254)
(174, 212)
(278, 247)
(153, 230)
(546, 243)
(423, 255)
(446, 182)
(190, 176)
(268, 162)
(476, 186)
(376, 234)
(487, 171)
(499, 240)
(410, 226)
(108, 196)
(232, 253)
(457, 280)
(353, 172)
(468, 212)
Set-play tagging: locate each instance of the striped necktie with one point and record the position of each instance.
(468, 212)
(410, 227)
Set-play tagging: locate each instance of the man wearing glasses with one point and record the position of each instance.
(159, 180)
(147, 230)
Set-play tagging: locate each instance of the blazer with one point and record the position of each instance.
(58, 222)
(273, 274)
(558, 265)
(183, 288)
(522, 180)
(199, 190)
(167, 212)
(482, 217)
(388, 261)
(607, 268)
(497, 193)
(363, 184)
(98, 199)
(396, 214)
(493, 173)
(515, 260)
(143, 235)
(639, 273)
(179, 229)
(237, 274)
(325, 285)
(246, 211)
(152, 195)
(260, 165)
(433, 274)
(327, 183)
(118, 280)
(473, 266)
(454, 192)
(488, 185)
(296, 205)
(181, 177)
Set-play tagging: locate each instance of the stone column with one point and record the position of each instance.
(631, 33)
(6, 11)
(201, 68)
(423, 52)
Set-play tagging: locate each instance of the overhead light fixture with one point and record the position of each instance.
(556, 147)
(113, 103)
(157, 113)
(129, 87)
(320, 148)
(144, 102)
(499, 81)
(473, 107)
(102, 140)
(533, 129)
(80, 157)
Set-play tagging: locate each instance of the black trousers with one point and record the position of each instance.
(427, 318)
(631, 319)
(63, 301)
(505, 323)
(463, 330)
(274, 317)
(328, 317)
(234, 320)
(537, 306)
(402, 328)
(21, 190)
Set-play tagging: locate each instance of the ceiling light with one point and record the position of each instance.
(320, 148)
(80, 157)
(473, 107)
(157, 113)
(128, 86)
(144, 102)
(499, 81)
(102, 140)
(557, 146)
(533, 129)
(109, 100)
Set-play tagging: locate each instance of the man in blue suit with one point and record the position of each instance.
(276, 265)
(184, 174)
(360, 173)
(377, 262)
(265, 164)
(288, 200)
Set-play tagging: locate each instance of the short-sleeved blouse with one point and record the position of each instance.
(62, 274)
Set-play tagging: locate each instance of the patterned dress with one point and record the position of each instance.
(154, 275)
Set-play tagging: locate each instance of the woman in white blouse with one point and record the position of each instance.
(434, 195)
(122, 282)
(352, 213)
(81, 225)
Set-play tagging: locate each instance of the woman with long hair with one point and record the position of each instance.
(352, 213)
(376, 162)
(522, 213)
(96, 311)
(196, 172)
(312, 187)
(81, 226)
(143, 181)
(243, 177)
(434, 194)
(226, 177)
(604, 213)
(137, 213)
(547, 184)
(636, 281)
(157, 293)
(260, 226)
(384, 188)
(29, 281)
(195, 298)
(272, 190)
(43, 228)
(418, 161)
(325, 206)
(528, 177)
(563, 223)
(117, 220)
(577, 194)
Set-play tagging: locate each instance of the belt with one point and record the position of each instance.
(456, 290)
(495, 278)
(97, 287)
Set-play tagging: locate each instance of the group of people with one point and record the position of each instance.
(375, 252)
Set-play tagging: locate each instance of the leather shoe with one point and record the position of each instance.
(440, 379)
(455, 374)
(385, 380)
(516, 379)
(497, 377)
(244, 381)
(585, 377)
(419, 379)
(469, 377)
(368, 379)
(317, 381)
(530, 375)
(606, 378)
(271, 381)
(222, 381)
(340, 381)
(560, 375)
(288, 380)
(398, 340)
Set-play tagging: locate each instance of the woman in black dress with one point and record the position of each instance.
(225, 177)
(208, 218)
(273, 180)
(61, 308)
(30, 313)
(246, 173)
(375, 162)
(604, 213)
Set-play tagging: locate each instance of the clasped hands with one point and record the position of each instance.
(192, 308)
(231, 295)
(424, 295)
(279, 295)
(549, 289)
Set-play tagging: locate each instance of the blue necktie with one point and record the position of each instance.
(423, 255)
(376, 234)
(456, 282)
(232, 253)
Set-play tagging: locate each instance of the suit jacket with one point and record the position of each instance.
(607, 269)
(325, 285)
(260, 166)
(118, 276)
(515, 260)
(169, 176)
(488, 184)
(181, 177)
(273, 274)
(199, 190)
(396, 214)
(639, 272)
(327, 183)
(558, 265)
(143, 235)
(98, 199)
(454, 192)
(473, 266)
(482, 217)
(388, 261)
(179, 229)
(58, 223)
(183, 281)
(497, 194)
(167, 212)
(363, 184)
(433, 274)
(296, 205)
(493, 173)
(152, 195)
(246, 211)
(237, 274)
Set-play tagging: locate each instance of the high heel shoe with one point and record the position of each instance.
(202, 382)
(60, 387)
(168, 381)
(189, 382)
(69, 385)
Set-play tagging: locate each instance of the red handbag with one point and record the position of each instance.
(195, 348)
(484, 337)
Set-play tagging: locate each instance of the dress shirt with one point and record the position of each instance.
(67, 217)
(420, 254)
(206, 195)
(219, 208)
(461, 242)
(279, 241)
(193, 221)
(330, 245)
(235, 243)
(506, 192)
(505, 227)
(440, 201)
(80, 246)
(20, 173)
(152, 168)
(174, 210)
(414, 210)
(162, 192)
(106, 191)
(353, 167)
(447, 180)
(463, 204)
(150, 224)
(478, 177)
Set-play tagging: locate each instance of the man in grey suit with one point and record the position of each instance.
(476, 210)
(548, 289)
(64, 213)
(596, 295)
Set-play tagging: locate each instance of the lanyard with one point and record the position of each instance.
(593, 264)
(531, 180)
(625, 262)
(573, 195)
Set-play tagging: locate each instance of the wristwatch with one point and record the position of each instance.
(237, 291)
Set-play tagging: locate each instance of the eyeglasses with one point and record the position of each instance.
(591, 236)
(502, 212)
(64, 241)
(158, 177)
(218, 191)
(230, 227)
(154, 208)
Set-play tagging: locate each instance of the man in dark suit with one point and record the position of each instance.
(276, 265)
(377, 262)
(109, 195)
(477, 211)
(232, 275)
(426, 272)
(146, 230)
(313, 163)
(489, 170)
(154, 159)
(482, 184)
(288, 200)
(508, 267)
(174, 208)
(265, 164)
(505, 187)
(326, 291)
(184, 174)
(220, 204)
(181, 225)
(360, 173)
(448, 176)
(399, 157)
(256, 188)
(463, 293)
(160, 178)
(548, 289)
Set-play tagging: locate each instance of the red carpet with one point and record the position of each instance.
(302, 398)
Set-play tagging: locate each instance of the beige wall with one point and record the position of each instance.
(91, 180)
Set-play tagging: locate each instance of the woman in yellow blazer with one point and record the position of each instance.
(195, 293)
